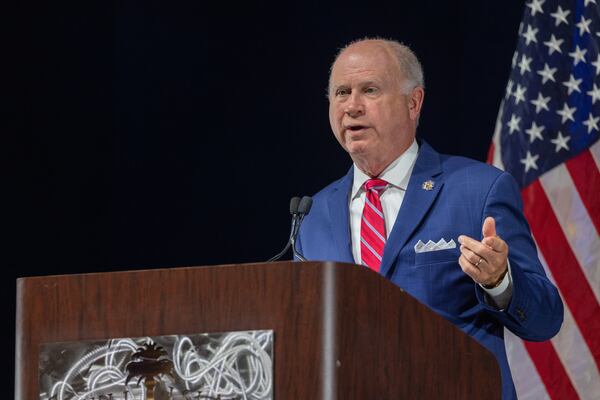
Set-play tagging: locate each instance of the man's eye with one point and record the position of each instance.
(370, 90)
(342, 92)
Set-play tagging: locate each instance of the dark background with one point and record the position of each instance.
(147, 134)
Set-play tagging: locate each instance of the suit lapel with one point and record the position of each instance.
(339, 216)
(415, 205)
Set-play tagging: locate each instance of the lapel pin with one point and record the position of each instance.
(427, 185)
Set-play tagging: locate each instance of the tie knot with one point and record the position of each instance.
(377, 185)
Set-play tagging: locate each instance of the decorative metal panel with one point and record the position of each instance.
(224, 366)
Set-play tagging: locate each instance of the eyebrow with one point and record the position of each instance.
(361, 84)
(340, 87)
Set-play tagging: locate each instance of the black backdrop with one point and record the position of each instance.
(157, 134)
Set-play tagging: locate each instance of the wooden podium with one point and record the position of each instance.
(340, 331)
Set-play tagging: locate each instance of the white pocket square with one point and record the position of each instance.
(421, 247)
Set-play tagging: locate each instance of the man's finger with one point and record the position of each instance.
(489, 227)
(475, 245)
(469, 268)
(495, 243)
(472, 257)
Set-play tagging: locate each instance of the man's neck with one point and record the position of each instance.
(373, 167)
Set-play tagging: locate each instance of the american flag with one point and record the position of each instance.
(546, 136)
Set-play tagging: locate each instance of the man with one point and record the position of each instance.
(483, 273)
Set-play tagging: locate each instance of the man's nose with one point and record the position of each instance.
(354, 107)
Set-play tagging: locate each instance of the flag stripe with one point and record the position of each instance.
(575, 222)
(551, 371)
(576, 358)
(490, 155)
(574, 353)
(494, 154)
(526, 378)
(595, 151)
(570, 348)
(586, 177)
(564, 266)
(547, 361)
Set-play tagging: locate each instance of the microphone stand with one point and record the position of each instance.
(298, 208)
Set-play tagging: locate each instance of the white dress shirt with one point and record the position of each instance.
(397, 174)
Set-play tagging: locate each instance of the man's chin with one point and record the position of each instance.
(357, 148)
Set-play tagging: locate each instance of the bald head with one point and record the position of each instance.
(408, 68)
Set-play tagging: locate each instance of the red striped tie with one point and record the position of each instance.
(372, 227)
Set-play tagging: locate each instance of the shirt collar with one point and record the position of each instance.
(396, 174)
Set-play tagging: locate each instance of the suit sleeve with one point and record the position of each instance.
(535, 311)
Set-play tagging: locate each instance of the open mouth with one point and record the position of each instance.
(356, 128)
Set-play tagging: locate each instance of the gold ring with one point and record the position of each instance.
(478, 262)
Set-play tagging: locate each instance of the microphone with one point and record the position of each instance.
(303, 209)
(298, 208)
(294, 203)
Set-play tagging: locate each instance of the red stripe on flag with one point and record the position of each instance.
(490, 155)
(567, 273)
(586, 177)
(553, 374)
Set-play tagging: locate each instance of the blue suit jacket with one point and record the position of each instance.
(465, 192)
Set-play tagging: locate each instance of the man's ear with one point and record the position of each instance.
(415, 102)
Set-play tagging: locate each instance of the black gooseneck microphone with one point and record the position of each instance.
(303, 209)
(294, 203)
(298, 208)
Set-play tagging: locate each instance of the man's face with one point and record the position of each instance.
(369, 114)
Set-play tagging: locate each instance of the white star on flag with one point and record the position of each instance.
(519, 93)
(553, 44)
(591, 123)
(583, 25)
(560, 16)
(594, 94)
(509, 86)
(530, 161)
(573, 84)
(561, 142)
(524, 64)
(540, 103)
(597, 65)
(567, 113)
(578, 55)
(535, 132)
(530, 35)
(536, 6)
(588, 2)
(513, 124)
(547, 73)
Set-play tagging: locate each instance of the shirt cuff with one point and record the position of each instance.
(500, 295)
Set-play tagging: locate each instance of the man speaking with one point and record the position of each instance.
(448, 230)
